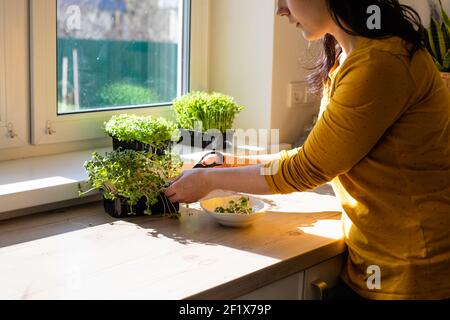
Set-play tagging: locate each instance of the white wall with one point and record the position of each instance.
(253, 57)
(241, 57)
(291, 57)
(423, 7)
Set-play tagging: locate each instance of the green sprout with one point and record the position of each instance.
(237, 207)
(214, 111)
(155, 132)
(132, 175)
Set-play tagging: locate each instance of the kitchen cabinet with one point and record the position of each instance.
(314, 283)
(290, 288)
(322, 278)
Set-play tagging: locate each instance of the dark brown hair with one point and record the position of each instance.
(351, 16)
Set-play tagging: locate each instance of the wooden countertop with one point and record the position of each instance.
(82, 253)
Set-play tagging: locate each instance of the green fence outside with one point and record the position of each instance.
(117, 73)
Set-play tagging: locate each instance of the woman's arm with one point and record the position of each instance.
(370, 96)
(194, 185)
(241, 174)
(240, 161)
(232, 161)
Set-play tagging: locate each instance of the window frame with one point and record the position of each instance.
(14, 71)
(2, 65)
(46, 125)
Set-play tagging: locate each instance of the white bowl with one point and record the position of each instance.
(234, 219)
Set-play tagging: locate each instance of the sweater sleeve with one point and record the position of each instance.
(370, 94)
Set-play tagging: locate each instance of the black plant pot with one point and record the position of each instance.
(139, 146)
(119, 208)
(206, 140)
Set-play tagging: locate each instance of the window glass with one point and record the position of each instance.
(117, 53)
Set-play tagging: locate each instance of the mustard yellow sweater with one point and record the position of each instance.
(383, 140)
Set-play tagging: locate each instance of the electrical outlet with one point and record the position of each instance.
(299, 94)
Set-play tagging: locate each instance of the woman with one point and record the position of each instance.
(382, 139)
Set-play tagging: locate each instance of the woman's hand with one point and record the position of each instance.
(213, 159)
(194, 185)
(190, 187)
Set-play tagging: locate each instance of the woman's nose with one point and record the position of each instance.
(283, 12)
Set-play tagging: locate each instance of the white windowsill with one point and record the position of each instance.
(40, 181)
(35, 182)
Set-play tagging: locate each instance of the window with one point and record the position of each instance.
(54, 90)
(94, 58)
(116, 53)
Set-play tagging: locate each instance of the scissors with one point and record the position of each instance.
(214, 165)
